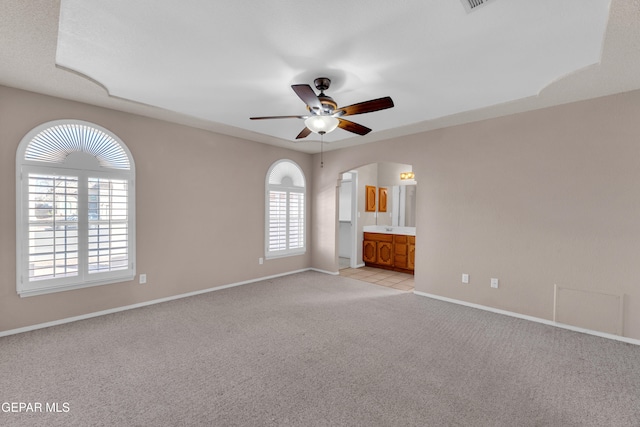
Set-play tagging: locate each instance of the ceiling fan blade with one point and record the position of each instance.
(366, 107)
(353, 127)
(279, 117)
(308, 96)
(304, 133)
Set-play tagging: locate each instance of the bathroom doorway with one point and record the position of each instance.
(354, 216)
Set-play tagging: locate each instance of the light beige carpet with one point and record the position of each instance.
(312, 349)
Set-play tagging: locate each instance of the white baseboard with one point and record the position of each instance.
(231, 285)
(146, 303)
(531, 318)
(333, 273)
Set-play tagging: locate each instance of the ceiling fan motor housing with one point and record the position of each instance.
(328, 104)
(322, 83)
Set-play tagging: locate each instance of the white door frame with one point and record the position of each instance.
(353, 261)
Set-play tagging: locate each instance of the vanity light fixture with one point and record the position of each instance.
(407, 175)
(321, 124)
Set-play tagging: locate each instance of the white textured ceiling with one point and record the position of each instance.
(215, 64)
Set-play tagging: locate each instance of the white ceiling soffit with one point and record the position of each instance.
(226, 61)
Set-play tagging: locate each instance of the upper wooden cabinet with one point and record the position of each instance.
(370, 200)
(382, 199)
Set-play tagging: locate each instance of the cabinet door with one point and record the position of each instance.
(382, 199)
(369, 251)
(370, 199)
(385, 253)
(411, 261)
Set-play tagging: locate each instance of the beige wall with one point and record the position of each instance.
(389, 173)
(534, 199)
(200, 209)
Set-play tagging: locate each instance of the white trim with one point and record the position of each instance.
(218, 288)
(355, 243)
(531, 318)
(73, 286)
(283, 254)
(147, 303)
(333, 273)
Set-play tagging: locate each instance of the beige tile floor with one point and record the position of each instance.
(381, 277)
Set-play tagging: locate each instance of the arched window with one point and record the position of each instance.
(285, 210)
(75, 217)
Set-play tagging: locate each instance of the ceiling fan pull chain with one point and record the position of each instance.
(321, 150)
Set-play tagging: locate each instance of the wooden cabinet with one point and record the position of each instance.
(411, 248)
(369, 251)
(390, 251)
(378, 249)
(382, 199)
(370, 198)
(385, 253)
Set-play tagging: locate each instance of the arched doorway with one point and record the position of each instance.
(396, 214)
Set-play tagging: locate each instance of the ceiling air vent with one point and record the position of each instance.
(471, 5)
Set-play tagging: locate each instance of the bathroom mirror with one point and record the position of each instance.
(403, 205)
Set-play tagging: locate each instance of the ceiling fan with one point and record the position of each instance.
(324, 115)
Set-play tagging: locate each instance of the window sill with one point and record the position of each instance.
(61, 288)
(285, 255)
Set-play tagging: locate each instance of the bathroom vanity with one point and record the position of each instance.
(391, 248)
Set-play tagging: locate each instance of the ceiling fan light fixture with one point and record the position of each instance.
(321, 124)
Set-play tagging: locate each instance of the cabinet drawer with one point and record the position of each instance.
(399, 249)
(378, 237)
(397, 238)
(400, 261)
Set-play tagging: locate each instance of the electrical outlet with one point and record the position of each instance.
(465, 278)
(494, 283)
(143, 279)
(260, 260)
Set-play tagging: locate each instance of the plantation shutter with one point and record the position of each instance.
(285, 210)
(52, 226)
(108, 225)
(277, 221)
(296, 220)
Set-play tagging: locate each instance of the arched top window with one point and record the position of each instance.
(286, 172)
(285, 223)
(53, 142)
(75, 219)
